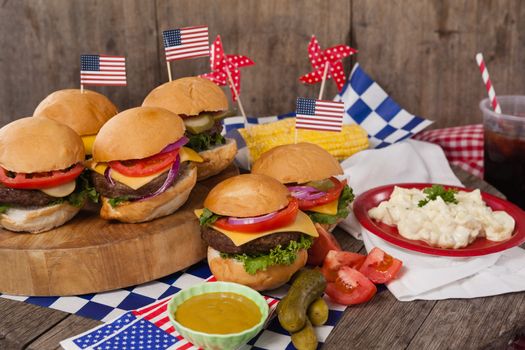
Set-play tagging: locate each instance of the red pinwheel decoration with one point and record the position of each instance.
(331, 56)
(221, 64)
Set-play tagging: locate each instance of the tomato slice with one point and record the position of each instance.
(322, 245)
(335, 260)
(350, 287)
(46, 179)
(283, 217)
(380, 267)
(332, 195)
(146, 166)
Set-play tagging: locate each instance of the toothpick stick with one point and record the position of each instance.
(81, 88)
(295, 139)
(232, 85)
(323, 81)
(169, 69)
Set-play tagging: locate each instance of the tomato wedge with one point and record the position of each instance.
(380, 267)
(350, 287)
(332, 195)
(46, 179)
(322, 245)
(282, 218)
(335, 260)
(146, 166)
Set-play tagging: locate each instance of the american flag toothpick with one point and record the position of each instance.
(183, 43)
(102, 70)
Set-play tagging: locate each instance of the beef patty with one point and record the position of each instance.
(119, 189)
(223, 244)
(24, 198)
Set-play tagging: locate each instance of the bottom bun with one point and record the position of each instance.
(216, 159)
(231, 270)
(156, 207)
(39, 219)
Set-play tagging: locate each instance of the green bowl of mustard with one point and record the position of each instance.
(203, 329)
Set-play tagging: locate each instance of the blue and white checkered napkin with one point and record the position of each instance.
(146, 325)
(368, 105)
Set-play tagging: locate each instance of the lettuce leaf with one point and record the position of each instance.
(117, 200)
(207, 217)
(346, 197)
(277, 256)
(4, 207)
(204, 141)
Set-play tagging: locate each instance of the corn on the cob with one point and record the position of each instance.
(261, 138)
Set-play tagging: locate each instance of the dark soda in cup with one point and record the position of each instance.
(505, 147)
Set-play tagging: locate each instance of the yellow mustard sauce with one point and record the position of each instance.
(218, 313)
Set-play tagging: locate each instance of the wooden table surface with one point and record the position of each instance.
(383, 323)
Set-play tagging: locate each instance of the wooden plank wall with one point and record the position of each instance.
(421, 51)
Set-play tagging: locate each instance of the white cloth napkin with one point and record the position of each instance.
(424, 276)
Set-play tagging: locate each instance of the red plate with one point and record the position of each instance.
(481, 246)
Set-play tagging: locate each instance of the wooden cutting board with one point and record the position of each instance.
(89, 255)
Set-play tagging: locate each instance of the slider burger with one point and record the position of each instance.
(309, 173)
(40, 160)
(202, 105)
(256, 234)
(140, 167)
(83, 112)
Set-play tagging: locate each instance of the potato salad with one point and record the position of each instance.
(446, 224)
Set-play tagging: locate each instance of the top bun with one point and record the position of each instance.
(137, 133)
(83, 112)
(32, 145)
(299, 163)
(247, 195)
(188, 96)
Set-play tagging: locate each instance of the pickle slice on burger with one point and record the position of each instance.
(202, 105)
(141, 167)
(40, 162)
(309, 173)
(256, 234)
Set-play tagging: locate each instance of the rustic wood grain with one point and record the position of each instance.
(42, 42)
(422, 52)
(68, 327)
(472, 323)
(89, 254)
(21, 323)
(274, 33)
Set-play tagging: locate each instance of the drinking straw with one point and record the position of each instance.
(488, 84)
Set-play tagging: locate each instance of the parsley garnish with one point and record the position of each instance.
(207, 217)
(448, 196)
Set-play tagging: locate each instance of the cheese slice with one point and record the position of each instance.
(186, 154)
(327, 208)
(88, 143)
(133, 182)
(61, 190)
(301, 224)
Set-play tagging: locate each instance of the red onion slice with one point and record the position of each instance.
(251, 220)
(175, 145)
(170, 179)
(302, 188)
(107, 175)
